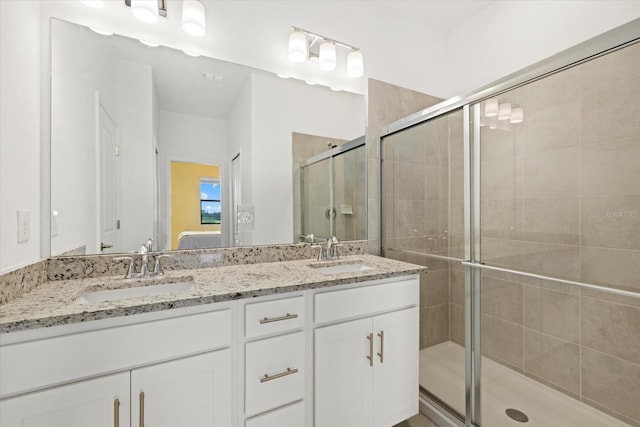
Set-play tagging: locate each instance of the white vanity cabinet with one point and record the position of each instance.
(159, 379)
(366, 369)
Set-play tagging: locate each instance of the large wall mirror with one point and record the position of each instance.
(150, 142)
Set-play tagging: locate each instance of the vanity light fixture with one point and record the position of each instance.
(491, 107)
(101, 32)
(193, 20)
(517, 115)
(305, 45)
(93, 3)
(145, 10)
(504, 111)
(148, 43)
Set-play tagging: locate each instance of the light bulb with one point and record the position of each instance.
(193, 20)
(327, 55)
(298, 48)
(491, 107)
(517, 115)
(355, 64)
(504, 111)
(145, 10)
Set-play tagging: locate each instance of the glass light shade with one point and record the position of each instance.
(101, 32)
(191, 53)
(327, 60)
(193, 21)
(145, 10)
(504, 111)
(298, 48)
(491, 107)
(93, 3)
(355, 64)
(517, 115)
(148, 43)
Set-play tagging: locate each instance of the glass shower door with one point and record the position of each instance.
(317, 209)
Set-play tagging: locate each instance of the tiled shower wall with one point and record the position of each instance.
(560, 197)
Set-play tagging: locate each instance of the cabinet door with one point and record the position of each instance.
(102, 402)
(194, 391)
(343, 375)
(395, 376)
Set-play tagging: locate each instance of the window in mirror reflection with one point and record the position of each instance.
(209, 201)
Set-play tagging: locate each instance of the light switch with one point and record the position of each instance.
(23, 226)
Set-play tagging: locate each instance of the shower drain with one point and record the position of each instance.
(516, 415)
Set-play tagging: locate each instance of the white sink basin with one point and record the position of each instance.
(342, 268)
(134, 292)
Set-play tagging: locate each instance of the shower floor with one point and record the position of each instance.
(442, 373)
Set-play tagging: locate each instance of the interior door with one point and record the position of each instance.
(108, 179)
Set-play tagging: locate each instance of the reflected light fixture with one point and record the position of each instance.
(504, 111)
(101, 32)
(491, 107)
(355, 64)
(298, 48)
(305, 45)
(148, 43)
(93, 3)
(145, 10)
(327, 56)
(191, 53)
(193, 20)
(517, 115)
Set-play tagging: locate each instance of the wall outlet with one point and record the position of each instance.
(23, 226)
(54, 223)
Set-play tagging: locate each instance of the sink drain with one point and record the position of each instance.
(516, 415)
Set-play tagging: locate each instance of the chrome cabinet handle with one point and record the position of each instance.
(116, 413)
(268, 377)
(277, 319)
(381, 354)
(370, 356)
(141, 419)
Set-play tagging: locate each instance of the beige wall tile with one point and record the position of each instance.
(614, 267)
(437, 287)
(502, 299)
(409, 218)
(554, 361)
(611, 383)
(456, 317)
(502, 252)
(552, 259)
(611, 328)
(502, 340)
(553, 89)
(611, 114)
(502, 219)
(456, 286)
(409, 181)
(611, 221)
(501, 178)
(611, 168)
(497, 144)
(437, 324)
(552, 220)
(552, 173)
(437, 183)
(553, 313)
(552, 126)
(612, 69)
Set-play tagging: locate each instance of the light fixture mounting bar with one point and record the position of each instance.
(320, 36)
(162, 7)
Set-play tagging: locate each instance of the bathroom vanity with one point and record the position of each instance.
(287, 344)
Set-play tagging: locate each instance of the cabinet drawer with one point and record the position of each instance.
(290, 416)
(268, 317)
(361, 301)
(61, 359)
(275, 370)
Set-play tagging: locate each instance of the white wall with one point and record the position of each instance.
(187, 138)
(81, 68)
(19, 130)
(134, 111)
(280, 108)
(510, 35)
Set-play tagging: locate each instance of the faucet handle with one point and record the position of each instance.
(157, 268)
(132, 265)
(321, 252)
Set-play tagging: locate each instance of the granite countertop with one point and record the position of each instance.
(54, 303)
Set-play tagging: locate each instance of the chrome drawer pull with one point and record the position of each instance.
(277, 319)
(289, 371)
(370, 356)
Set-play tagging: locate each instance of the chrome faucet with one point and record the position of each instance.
(144, 266)
(328, 251)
